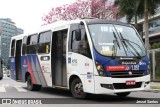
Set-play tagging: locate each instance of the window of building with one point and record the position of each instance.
(44, 42)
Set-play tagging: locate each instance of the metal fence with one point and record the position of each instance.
(154, 56)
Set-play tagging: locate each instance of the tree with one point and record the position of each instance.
(133, 8)
(153, 5)
(146, 24)
(126, 8)
(82, 8)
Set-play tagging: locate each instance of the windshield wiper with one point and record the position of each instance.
(128, 41)
(131, 42)
(116, 39)
(114, 49)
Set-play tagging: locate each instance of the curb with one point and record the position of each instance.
(153, 90)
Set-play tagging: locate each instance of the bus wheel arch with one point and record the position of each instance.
(71, 79)
(76, 87)
(26, 76)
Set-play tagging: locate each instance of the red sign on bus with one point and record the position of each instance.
(116, 68)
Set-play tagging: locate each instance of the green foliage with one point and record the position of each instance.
(134, 8)
(155, 87)
(155, 45)
(126, 8)
(7, 64)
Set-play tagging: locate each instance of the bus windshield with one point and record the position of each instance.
(117, 40)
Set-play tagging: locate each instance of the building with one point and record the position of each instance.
(154, 27)
(7, 30)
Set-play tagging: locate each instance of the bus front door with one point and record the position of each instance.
(59, 73)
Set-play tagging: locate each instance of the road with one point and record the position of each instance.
(12, 89)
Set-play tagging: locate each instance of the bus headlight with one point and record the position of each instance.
(100, 69)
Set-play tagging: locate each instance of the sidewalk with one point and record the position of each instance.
(155, 84)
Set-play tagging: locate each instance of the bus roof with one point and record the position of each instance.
(101, 21)
(57, 24)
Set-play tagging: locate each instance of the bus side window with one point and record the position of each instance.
(34, 39)
(24, 45)
(32, 44)
(82, 46)
(12, 47)
(44, 42)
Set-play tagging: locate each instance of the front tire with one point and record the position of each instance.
(77, 89)
(31, 86)
(124, 94)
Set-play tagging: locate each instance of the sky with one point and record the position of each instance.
(27, 14)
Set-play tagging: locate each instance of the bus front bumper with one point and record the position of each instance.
(104, 85)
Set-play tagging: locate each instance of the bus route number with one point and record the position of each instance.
(135, 67)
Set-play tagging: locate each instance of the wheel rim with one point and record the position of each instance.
(78, 89)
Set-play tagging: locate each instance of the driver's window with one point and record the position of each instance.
(82, 46)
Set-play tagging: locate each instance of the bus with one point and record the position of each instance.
(1, 68)
(94, 56)
(1, 63)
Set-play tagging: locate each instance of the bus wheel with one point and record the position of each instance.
(1, 78)
(77, 89)
(31, 86)
(124, 94)
(38, 87)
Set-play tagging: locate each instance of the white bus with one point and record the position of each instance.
(1, 68)
(1, 63)
(85, 56)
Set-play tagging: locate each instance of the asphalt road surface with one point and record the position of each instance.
(10, 89)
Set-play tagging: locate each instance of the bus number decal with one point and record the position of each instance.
(135, 67)
(74, 62)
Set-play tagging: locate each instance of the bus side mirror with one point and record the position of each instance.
(78, 35)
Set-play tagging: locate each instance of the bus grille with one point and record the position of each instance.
(124, 86)
(126, 74)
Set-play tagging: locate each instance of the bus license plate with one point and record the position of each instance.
(131, 82)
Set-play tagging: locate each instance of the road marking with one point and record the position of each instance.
(2, 89)
(20, 89)
(5, 85)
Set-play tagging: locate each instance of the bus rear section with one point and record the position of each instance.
(39, 58)
(15, 59)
